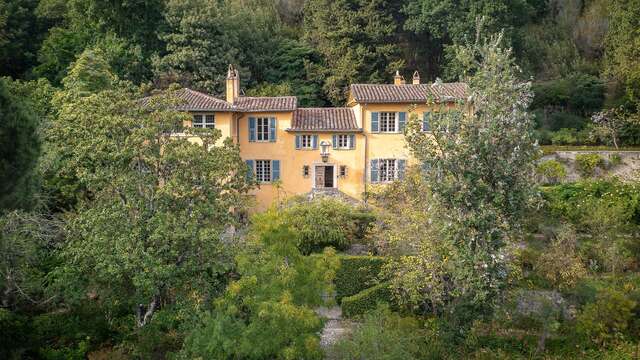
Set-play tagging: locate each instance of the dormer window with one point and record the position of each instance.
(204, 121)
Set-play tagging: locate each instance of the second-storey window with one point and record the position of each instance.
(388, 122)
(262, 129)
(387, 169)
(204, 121)
(263, 170)
(344, 141)
(306, 142)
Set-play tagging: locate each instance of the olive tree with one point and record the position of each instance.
(478, 160)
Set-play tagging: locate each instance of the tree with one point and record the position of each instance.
(479, 164)
(622, 45)
(267, 313)
(560, 264)
(611, 123)
(200, 45)
(151, 228)
(356, 40)
(19, 149)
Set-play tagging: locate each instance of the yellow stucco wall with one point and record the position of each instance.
(292, 160)
(368, 146)
(223, 122)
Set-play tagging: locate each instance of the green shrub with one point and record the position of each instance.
(366, 300)
(356, 273)
(586, 164)
(551, 171)
(319, 223)
(564, 136)
(615, 159)
(383, 334)
(608, 318)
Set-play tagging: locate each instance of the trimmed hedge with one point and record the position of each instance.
(366, 300)
(356, 273)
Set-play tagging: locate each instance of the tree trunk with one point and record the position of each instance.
(144, 313)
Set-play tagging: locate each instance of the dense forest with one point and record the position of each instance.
(117, 242)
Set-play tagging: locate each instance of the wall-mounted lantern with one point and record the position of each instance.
(324, 150)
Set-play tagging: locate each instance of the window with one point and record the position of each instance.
(343, 171)
(204, 121)
(306, 142)
(305, 170)
(387, 169)
(343, 141)
(263, 170)
(388, 122)
(262, 130)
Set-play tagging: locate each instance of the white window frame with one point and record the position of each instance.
(344, 141)
(387, 170)
(263, 171)
(262, 129)
(385, 121)
(306, 141)
(342, 171)
(207, 121)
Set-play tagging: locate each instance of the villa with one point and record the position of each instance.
(292, 150)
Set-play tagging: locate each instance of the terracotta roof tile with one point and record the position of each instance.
(255, 104)
(197, 101)
(324, 119)
(407, 93)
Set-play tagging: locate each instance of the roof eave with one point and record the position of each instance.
(297, 130)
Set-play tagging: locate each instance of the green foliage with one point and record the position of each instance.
(586, 164)
(150, 232)
(267, 312)
(367, 300)
(19, 149)
(366, 50)
(623, 45)
(615, 159)
(383, 334)
(320, 223)
(608, 318)
(481, 167)
(564, 136)
(560, 264)
(580, 94)
(551, 171)
(357, 273)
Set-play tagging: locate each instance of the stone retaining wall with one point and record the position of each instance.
(627, 170)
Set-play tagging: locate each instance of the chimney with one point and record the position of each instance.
(398, 79)
(233, 84)
(416, 78)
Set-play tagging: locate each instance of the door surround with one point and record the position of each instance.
(335, 175)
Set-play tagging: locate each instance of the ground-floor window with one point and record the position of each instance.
(263, 171)
(386, 170)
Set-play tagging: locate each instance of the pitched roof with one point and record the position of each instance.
(276, 103)
(324, 119)
(408, 93)
(197, 101)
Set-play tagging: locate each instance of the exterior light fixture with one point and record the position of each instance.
(324, 151)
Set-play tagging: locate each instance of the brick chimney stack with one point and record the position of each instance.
(398, 79)
(416, 78)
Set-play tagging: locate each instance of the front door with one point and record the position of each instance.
(324, 176)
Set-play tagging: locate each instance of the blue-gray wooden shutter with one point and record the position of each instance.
(275, 170)
(249, 169)
(425, 121)
(252, 129)
(335, 141)
(297, 141)
(402, 120)
(314, 141)
(272, 129)
(374, 122)
(374, 170)
(352, 141)
(401, 166)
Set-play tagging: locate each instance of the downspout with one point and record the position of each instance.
(366, 153)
